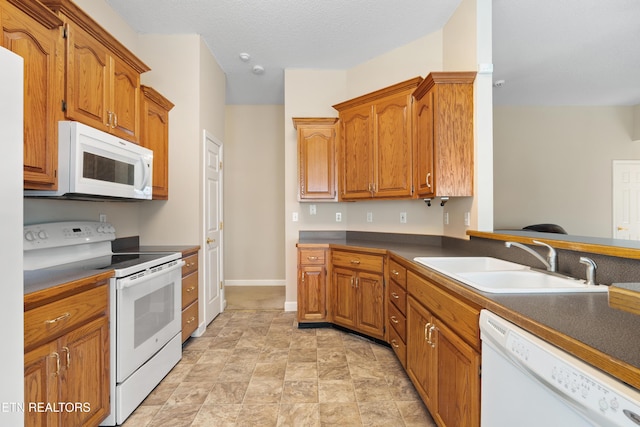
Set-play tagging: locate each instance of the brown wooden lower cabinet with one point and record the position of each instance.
(444, 368)
(312, 285)
(66, 360)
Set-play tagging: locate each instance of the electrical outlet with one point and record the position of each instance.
(103, 217)
(403, 217)
(312, 209)
(294, 217)
(467, 219)
(338, 216)
(369, 216)
(446, 218)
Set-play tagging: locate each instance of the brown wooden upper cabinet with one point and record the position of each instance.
(374, 155)
(34, 32)
(102, 76)
(316, 158)
(443, 135)
(154, 134)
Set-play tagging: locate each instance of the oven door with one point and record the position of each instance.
(148, 315)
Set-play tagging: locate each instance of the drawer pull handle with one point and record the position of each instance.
(396, 296)
(394, 319)
(191, 319)
(57, 319)
(395, 273)
(191, 289)
(312, 258)
(426, 333)
(355, 261)
(394, 343)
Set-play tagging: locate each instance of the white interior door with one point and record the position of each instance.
(213, 227)
(626, 199)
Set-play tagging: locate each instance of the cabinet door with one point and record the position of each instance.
(312, 293)
(344, 296)
(458, 383)
(154, 134)
(316, 154)
(84, 356)
(123, 100)
(356, 153)
(423, 146)
(87, 75)
(42, 50)
(421, 357)
(41, 379)
(370, 293)
(392, 121)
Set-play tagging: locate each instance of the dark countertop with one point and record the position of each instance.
(567, 320)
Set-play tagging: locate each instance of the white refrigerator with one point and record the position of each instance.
(11, 224)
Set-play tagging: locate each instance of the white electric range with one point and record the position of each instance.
(145, 303)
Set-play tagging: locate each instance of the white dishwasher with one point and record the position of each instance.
(528, 382)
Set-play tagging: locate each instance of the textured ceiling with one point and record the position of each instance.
(548, 52)
(566, 52)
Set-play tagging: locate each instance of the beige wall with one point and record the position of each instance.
(553, 165)
(254, 195)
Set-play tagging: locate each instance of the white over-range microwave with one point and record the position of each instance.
(93, 164)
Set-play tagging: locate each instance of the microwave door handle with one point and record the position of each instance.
(137, 281)
(145, 178)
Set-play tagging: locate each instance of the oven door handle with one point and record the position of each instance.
(130, 282)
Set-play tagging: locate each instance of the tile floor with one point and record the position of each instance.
(256, 368)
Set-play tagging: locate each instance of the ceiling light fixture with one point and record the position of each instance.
(244, 57)
(258, 69)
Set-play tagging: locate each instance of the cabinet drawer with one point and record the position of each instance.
(398, 346)
(190, 264)
(189, 289)
(358, 261)
(44, 323)
(459, 316)
(398, 322)
(398, 273)
(189, 320)
(311, 256)
(398, 296)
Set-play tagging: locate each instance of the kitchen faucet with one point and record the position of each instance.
(552, 257)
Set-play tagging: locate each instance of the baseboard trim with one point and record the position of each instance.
(291, 306)
(255, 283)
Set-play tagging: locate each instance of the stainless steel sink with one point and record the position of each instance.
(498, 276)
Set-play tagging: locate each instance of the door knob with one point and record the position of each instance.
(622, 228)
(210, 240)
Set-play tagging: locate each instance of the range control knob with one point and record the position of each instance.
(43, 235)
(29, 236)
